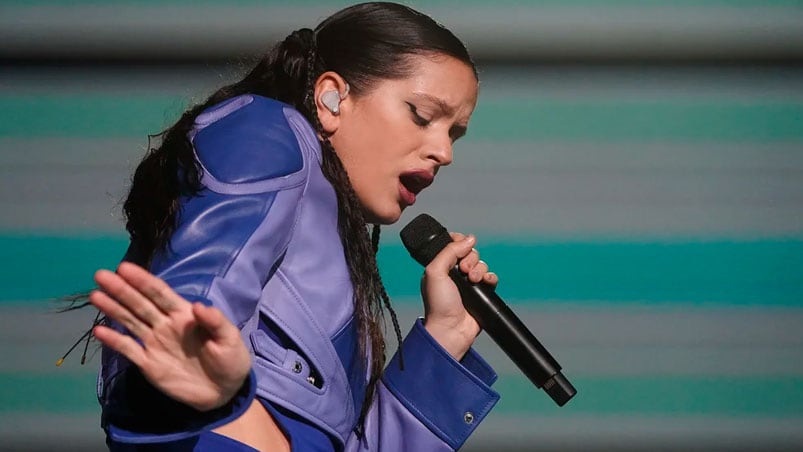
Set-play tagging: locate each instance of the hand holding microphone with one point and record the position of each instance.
(424, 238)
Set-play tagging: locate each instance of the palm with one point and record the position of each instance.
(192, 353)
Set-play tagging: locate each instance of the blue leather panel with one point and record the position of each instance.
(347, 348)
(203, 246)
(474, 363)
(304, 436)
(233, 148)
(441, 407)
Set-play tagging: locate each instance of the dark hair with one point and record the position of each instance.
(364, 43)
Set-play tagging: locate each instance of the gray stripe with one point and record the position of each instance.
(560, 429)
(66, 432)
(621, 189)
(640, 340)
(65, 184)
(560, 433)
(52, 431)
(541, 188)
(572, 33)
(592, 341)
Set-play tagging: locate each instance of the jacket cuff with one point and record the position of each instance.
(150, 416)
(451, 398)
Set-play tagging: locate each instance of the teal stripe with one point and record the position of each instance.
(643, 396)
(660, 396)
(760, 272)
(38, 268)
(664, 120)
(90, 116)
(496, 119)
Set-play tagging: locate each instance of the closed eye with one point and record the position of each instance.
(417, 118)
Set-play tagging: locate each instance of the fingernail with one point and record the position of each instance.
(470, 238)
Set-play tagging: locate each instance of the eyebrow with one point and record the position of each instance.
(440, 103)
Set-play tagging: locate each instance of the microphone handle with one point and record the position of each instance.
(513, 337)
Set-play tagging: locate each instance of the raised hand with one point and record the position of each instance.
(189, 351)
(445, 317)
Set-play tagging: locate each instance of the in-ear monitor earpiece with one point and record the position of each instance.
(331, 99)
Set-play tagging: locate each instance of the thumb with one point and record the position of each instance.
(450, 254)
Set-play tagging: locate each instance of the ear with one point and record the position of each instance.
(329, 82)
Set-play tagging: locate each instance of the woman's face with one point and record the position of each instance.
(393, 139)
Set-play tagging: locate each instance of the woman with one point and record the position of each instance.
(255, 207)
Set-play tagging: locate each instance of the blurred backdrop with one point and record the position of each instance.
(634, 172)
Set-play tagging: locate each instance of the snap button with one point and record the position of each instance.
(468, 418)
(311, 380)
(297, 367)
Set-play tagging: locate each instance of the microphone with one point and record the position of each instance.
(424, 238)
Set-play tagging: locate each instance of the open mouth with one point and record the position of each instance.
(415, 181)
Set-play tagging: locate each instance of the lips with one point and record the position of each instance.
(413, 182)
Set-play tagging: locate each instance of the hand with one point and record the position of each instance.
(189, 351)
(445, 318)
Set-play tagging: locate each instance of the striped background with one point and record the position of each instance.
(646, 222)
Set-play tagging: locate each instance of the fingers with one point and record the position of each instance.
(469, 263)
(150, 286)
(449, 255)
(121, 343)
(477, 272)
(119, 313)
(118, 288)
(491, 279)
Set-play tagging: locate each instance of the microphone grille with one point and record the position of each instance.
(424, 238)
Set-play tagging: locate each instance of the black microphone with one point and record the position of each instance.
(424, 238)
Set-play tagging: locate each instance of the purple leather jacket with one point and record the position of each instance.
(261, 243)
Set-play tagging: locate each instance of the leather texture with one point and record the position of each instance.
(261, 243)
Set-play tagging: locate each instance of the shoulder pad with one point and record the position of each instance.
(246, 139)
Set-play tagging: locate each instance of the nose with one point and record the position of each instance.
(440, 151)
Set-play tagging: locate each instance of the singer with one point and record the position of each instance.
(262, 328)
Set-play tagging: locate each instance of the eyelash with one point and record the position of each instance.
(418, 119)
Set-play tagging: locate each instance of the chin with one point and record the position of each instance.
(388, 216)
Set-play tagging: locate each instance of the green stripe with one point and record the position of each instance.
(425, 4)
(643, 396)
(660, 396)
(765, 272)
(89, 116)
(496, 119)
(761, 272)
(664, 120)
(38, 268)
